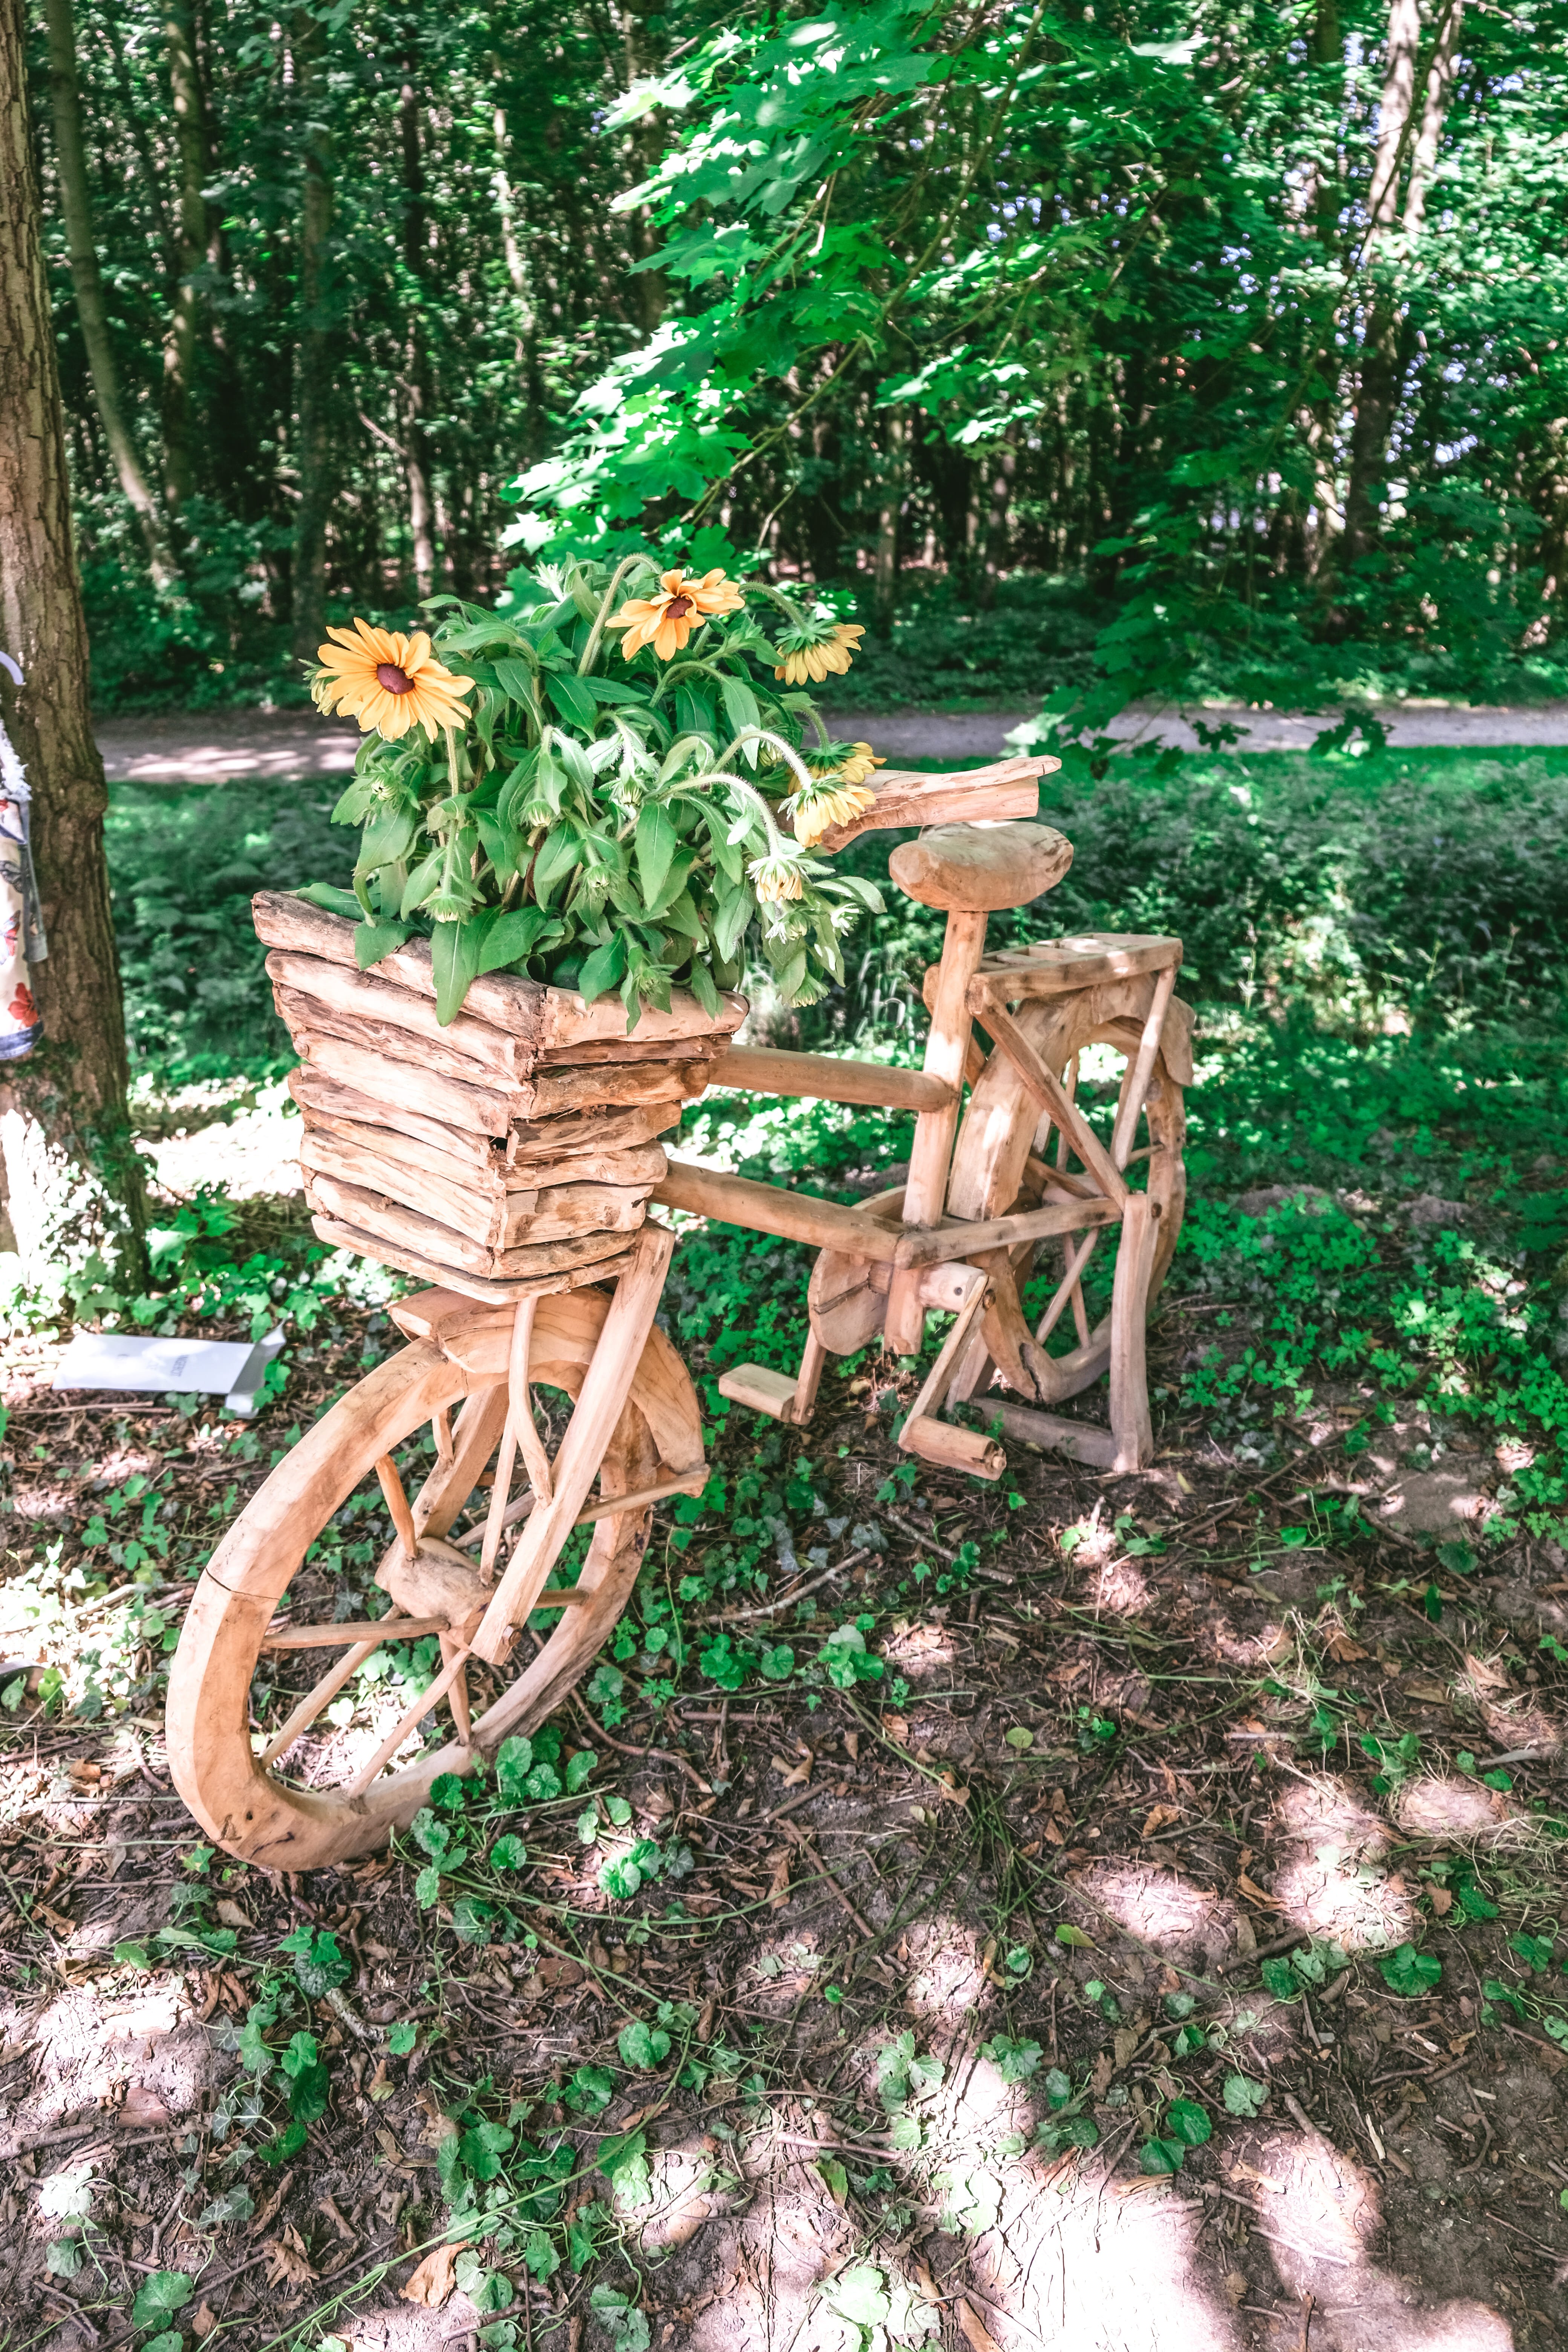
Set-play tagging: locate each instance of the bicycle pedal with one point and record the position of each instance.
(764, 1390)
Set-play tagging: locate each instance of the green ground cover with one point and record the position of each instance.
(1375, 948)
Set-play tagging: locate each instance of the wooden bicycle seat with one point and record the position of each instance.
(975, 870)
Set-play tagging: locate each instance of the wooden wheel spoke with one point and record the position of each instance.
(1070, 1287)
(396, 1502)
(409, 1718)
(345, 1632)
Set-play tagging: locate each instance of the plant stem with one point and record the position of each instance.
(595, 634)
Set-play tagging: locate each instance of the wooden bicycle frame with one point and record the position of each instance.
(906, 1232)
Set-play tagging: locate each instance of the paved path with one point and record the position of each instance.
(190, 748)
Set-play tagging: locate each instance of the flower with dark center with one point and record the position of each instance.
(388, 682)
(667, 619)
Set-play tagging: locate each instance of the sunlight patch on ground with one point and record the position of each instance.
(1165, 1908)
(1120, 1588)
(944, 1973)
(1444, 1805)
(1320, 2219)
(1331, 1883)
(144, 2056)
(254, 1153)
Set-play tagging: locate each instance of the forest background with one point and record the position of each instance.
(1094, 351)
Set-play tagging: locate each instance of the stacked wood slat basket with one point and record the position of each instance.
(512, 1151)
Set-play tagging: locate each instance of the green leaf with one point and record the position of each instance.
(455, 950)
(1016, 2062)
(402, 2038)
(571, 698)
(1163, 2155)
(656, 843)
(1188, 2122)
(131, 1953)
(508, 1854)
(1074, 1937)
(160, 2295)
(642, 2046)
(1410, 1972)
(373, 941)
(318, 1963)
(578, 1769)
(590, 2091)
(603, 969)
(1241, 2097)
(1280, 1979)
(1534, 1950)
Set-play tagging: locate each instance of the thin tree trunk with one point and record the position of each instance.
(87, 281)
(885, 575)
(74, 1179)
(313, 352)
(136, 129)
(527, 308)
(996, 522)
(180, 344)
(1382, 370)
(417, 387)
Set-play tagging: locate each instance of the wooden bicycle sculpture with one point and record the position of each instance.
(510, 1157)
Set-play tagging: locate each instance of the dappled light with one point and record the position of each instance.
(1332, 1881)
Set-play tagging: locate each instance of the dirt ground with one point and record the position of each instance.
(932, 1939)
(210, 747)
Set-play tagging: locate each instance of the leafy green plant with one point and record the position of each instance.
(588, 822)
(1187, 2125)
(1409, 1972)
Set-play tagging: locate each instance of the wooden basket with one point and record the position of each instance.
(509, 1152)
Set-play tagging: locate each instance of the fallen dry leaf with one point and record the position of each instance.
(229, 1912)
(1159, 1817)
(288, 2258)
(778, 1882)
(1435, 1692)
(142, 2108)
(1256, 1894)
(897, 1727)
(433, 2282)
(1104, 2068)
(1343, 1648)
(206, 2320)
(279, 2194)
(795, 1775)
(1490, 1676)
(1442, 1901)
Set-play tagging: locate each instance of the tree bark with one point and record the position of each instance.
(74, 1179)
(314, 351)
(87, 278)
(180, 344)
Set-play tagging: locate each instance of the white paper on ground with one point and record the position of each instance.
(231, 1368)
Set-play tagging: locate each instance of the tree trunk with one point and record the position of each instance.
(884, 574)
(87, 281)
(417, 387)
(527, 308)
(180, 345)
(1382, 370)
(74, 1179)
(313, 352)
(996, 523)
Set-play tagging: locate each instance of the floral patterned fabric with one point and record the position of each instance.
(22, 940)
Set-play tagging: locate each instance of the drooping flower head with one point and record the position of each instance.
(812, 652)
(388, 682)
(775, 877)
(667, 619)
(837, 792)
